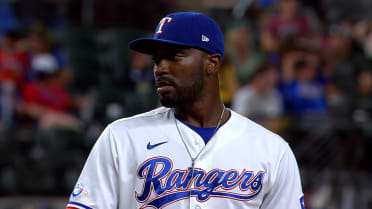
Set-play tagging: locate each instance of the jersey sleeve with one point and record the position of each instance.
(286, 191)
(97, 186)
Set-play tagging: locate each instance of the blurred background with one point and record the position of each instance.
(301, 68)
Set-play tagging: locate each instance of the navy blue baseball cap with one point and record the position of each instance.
(183, 29)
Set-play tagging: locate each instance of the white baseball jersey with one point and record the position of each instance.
(142, 162)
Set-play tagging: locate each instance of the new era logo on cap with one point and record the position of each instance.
(205, 38)
(186, 29)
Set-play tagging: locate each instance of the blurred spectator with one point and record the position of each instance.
(342, 60)
(288, 29)
(229, 83)
(363, 34)
(241, 50)
(338, 102)
(13, 62)
(368, 44)
(13, 66)
(303, 90)
(9, 21)
(38, 42)
(259, 100)
(362, 102)
(46, 99)
(141, 72)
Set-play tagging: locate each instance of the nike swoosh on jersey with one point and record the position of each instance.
(152, 146)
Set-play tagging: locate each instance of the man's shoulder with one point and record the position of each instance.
(256, 131)
(161, 114)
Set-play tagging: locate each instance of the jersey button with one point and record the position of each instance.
(197, 207)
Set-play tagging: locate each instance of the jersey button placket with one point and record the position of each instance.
(192, 200)
(194, 204)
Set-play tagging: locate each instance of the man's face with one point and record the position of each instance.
(179, 75)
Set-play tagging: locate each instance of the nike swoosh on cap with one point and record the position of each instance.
(152, 146)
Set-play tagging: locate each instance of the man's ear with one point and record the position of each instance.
(214, 62)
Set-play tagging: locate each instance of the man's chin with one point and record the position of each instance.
(168, 103)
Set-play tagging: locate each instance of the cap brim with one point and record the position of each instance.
(149, 45)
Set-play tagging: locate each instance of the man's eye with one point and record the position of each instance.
(179, 55)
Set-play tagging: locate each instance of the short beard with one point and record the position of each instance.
(185, 95)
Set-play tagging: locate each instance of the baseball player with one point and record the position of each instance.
(192, 153)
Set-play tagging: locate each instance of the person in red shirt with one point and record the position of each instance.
(48, 91)
(13, 62)
(46, 99)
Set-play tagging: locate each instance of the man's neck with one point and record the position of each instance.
(202, 115)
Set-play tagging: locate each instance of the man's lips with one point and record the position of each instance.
(164, 85)
(164, 89)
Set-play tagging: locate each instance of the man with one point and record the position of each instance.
(194, 152)
(259, 100)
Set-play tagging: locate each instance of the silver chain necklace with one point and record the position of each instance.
(191, 168)
(184, 142)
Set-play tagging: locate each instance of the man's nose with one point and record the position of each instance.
(161, 67)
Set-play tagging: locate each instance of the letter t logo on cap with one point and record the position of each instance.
(162, 23)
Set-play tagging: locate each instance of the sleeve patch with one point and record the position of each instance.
(78, 190)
